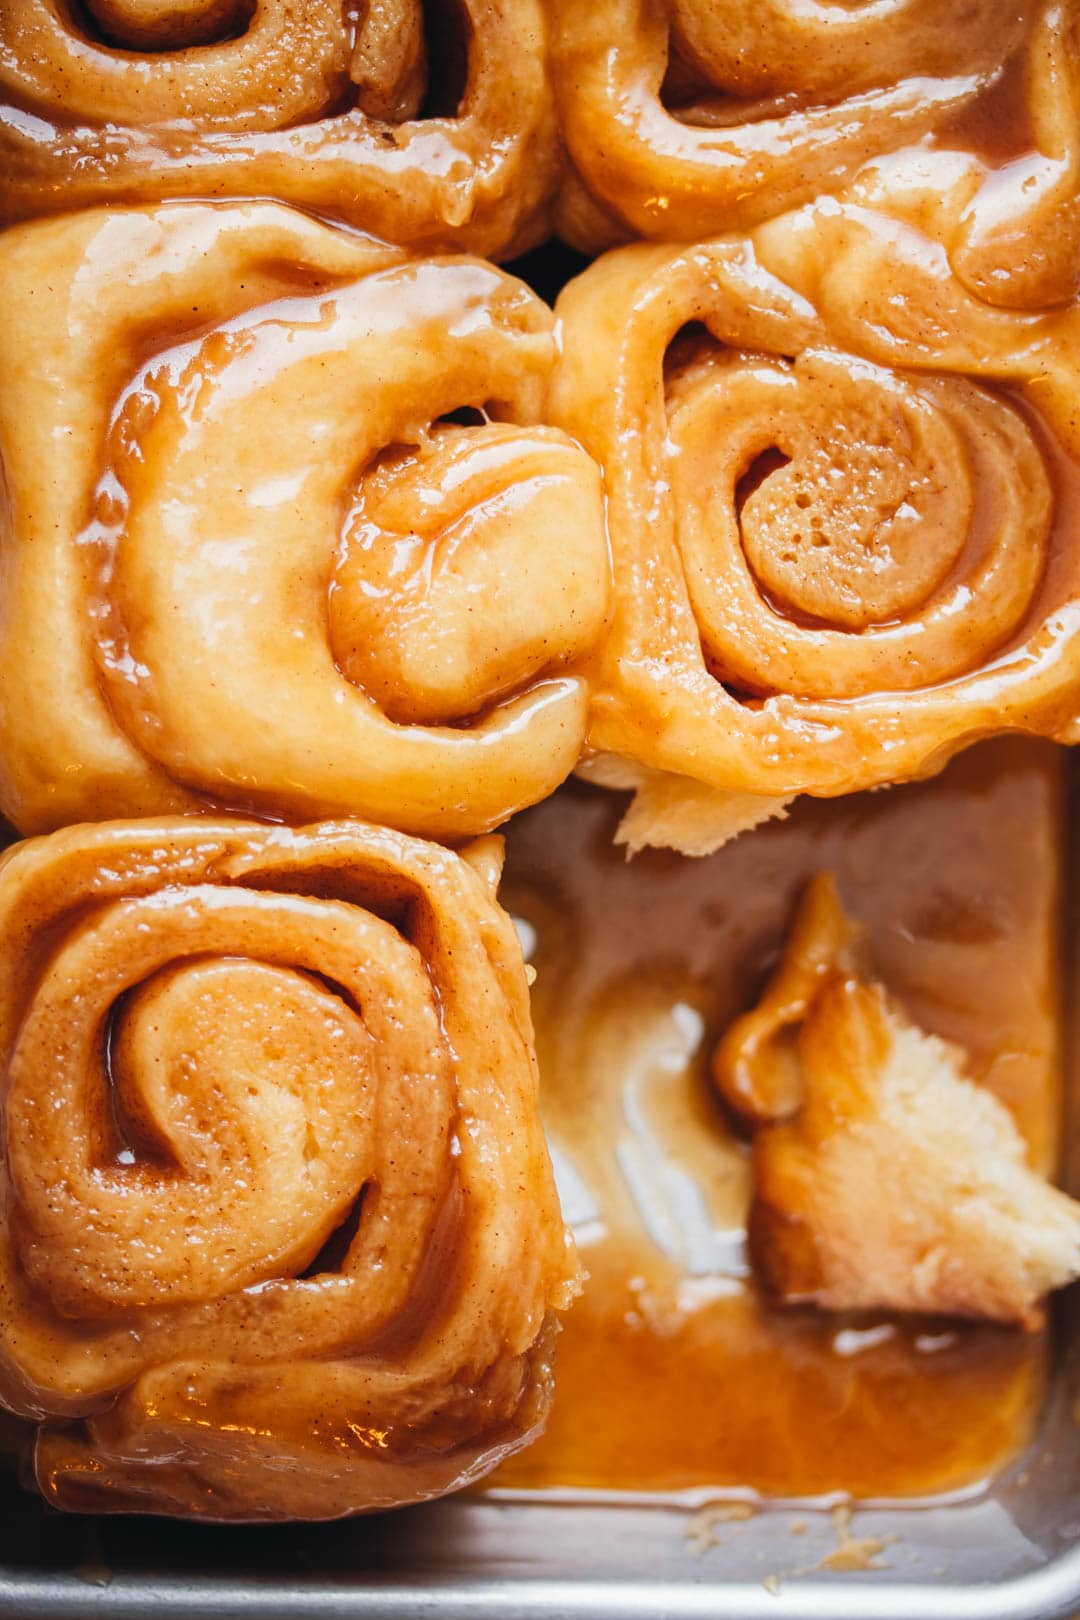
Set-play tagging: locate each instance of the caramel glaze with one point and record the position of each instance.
(996, 126)
(673, 1373)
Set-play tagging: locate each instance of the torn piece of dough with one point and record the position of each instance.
(674, 812)
(883, 1177)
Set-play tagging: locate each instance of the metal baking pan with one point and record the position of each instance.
(1009, 1552)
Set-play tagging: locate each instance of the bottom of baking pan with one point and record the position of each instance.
(1007, 1551)
(1010, 1552)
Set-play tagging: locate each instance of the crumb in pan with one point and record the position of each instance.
(884, 1178)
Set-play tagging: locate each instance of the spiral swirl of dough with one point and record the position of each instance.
(842, 501)
(688, 117)
(280, 1237)
(317, 103)
(249, 560)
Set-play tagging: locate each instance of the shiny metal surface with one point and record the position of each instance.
(1011, 1553)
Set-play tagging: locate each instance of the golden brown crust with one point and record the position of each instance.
(280, 1235)
(843, 515)
(296, 102)
(684, 118)
(247, 562)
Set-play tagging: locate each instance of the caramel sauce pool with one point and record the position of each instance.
(673, 1374)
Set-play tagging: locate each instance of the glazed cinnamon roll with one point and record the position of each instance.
(843, 507)
(253, 552)
(684, 117)
(340, 108)
(280, 1237)
(688, 117)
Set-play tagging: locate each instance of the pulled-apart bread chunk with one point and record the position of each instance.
(883, 1177)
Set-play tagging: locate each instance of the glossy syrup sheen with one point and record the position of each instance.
(673, 1374)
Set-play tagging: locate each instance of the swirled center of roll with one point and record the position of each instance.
(250, 1079)
(461, 573)
(380, 48)
(218, 1061)
(168, 25)
(236, 65)
(848, 529)
(870, 510)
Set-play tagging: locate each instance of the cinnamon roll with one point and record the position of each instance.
(283, 527)
(843, 506)
(337, 107)
(687, 117)
(280, 1237)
